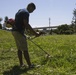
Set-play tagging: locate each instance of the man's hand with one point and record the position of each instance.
(39, 33)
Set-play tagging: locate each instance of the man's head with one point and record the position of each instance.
(31, 7)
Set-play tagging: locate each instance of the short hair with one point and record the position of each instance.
(32, 5)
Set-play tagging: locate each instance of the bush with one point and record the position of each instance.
(0, 26)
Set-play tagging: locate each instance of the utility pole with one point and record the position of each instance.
(49, 22)
(50, 30)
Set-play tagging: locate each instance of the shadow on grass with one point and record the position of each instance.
(16, 70)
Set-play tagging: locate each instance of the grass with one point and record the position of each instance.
(62, 48)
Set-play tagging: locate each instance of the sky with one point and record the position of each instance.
(59, 11)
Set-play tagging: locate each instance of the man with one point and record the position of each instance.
(22, 24)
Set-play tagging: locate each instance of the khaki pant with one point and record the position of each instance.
(20, 40)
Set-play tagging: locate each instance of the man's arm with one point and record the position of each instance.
(27, 26)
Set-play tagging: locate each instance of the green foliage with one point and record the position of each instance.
(74, 17)
(65, 29)
(1, 19)
(62, 49)
(0, 26)
(6, 18)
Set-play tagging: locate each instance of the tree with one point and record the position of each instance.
(0, 23)
(74, 21)
(74, 17)
(64, 29)
(6, 18)
(0, 19)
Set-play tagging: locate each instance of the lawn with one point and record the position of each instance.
(62, 49)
